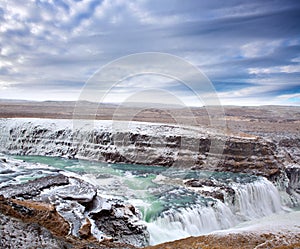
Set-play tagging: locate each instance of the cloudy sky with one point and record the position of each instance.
(250, 50)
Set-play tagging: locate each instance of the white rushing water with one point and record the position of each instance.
(256, 199)
(167, 217)
(191, 221)
(252, 200)
(169, 211)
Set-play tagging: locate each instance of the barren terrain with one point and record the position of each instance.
(262, 119)
(279, 123)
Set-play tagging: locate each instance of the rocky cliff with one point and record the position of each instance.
(156, 144)
(78, 207)
(143, 143)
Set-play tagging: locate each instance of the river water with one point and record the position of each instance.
(170, 209)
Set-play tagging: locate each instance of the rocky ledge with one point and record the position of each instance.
(66, 210)
(215, 189)
(144, 143)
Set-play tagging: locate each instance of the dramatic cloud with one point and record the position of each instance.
(250, 50)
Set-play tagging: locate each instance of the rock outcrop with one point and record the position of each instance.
(156, 144)
(69, 206)
(35, 212)
(217, 190)
(18, 234)
(148, 144)
(34, 188)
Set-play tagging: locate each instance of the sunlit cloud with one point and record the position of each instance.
(244, 48)
(281, 69)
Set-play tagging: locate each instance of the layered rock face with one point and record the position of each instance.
(291, 145)
(80, 209)
(155, 144)
(142, 143)
(293, 185)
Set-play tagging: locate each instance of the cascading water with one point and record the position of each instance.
(251, 200)
(191, 221)
(171, 210)
(256, 199)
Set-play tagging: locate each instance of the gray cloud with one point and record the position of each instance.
(238, 44)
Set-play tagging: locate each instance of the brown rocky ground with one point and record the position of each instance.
(267, 119)
(234, 241)
(36, 212)
(34, 223)
(50, 226)
(280, 120)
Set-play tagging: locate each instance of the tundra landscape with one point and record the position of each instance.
(256, 179)
(150, 124)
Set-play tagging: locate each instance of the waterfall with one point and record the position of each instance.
(191, 221)
(56, 138)
(256, 199)
(251, 200)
